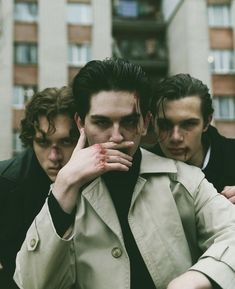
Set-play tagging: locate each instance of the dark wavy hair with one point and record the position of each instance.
(110, 74)
(49, 103)
(180, 86)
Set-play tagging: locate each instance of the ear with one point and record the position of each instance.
(147, 120)
(78, 121)
(206, 125)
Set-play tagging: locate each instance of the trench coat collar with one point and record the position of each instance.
(152, 163)
(99, 198)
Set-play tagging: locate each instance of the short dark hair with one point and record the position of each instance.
(110, 74)
(49, 102)
(180, 86)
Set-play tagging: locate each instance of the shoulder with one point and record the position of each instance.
(222, 148)
(16, 168)
(217, 138)
(189, 176)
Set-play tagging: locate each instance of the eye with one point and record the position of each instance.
(187, 125)
(132, 122)
(102, 123)
(42, 142)
(164, 125)
(67, 142)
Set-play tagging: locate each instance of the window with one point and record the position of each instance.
(139, 49)
(79, 54)
(21, 95)
(135, 8)
(222, 61)
(224, 107)
(126, 8)
(17, 144)
(25, 12)
(78, 13)
(219, 15)
(25, 53)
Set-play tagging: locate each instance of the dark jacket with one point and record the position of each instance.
(23, 189)
(220, 170)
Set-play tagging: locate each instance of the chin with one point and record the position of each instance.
(52, 178)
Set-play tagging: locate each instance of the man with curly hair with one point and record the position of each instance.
(49, 134)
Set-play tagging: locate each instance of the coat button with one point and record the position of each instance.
(32, 243)
(116, 252)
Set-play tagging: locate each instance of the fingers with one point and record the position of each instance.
(110, 159)
(229, 193)
(122, 146)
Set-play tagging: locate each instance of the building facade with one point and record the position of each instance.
(43, 44)
(201, 41)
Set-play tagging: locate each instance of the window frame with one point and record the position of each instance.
(25, 53)
(79, 54)
(218, 115)
(25, 15)
(219, 15)
(84, 12)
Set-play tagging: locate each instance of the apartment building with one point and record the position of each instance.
(201, 41)
(44, 43)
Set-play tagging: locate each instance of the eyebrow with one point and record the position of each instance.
(169, 120)
(132, 115)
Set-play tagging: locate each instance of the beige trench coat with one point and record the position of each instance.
(175, 216)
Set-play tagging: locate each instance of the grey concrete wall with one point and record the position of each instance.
(233, 24)
(6, 78)
(188, 42)
(102, 29)
(53, 51)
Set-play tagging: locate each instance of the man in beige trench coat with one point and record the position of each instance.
(120, 217)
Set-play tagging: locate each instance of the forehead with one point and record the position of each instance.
(114, 104)
(183, 108)
(62, 124)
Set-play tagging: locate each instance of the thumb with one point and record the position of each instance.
(81, 141)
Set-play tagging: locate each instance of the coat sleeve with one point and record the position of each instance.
(45, 260)
(215, 218)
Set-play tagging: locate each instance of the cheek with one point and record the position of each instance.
(163, 136)
(94, 136)
(41, 156)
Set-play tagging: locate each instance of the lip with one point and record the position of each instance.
(178, 151)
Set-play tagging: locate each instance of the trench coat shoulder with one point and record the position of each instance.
(189, 176)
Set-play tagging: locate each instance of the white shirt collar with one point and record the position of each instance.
(206, 159)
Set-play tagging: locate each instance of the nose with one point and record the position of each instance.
(176, 134)
(55, 154)
(116, 135)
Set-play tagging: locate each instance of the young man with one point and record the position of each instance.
(50, 135)
(183, 112)
(119, 216)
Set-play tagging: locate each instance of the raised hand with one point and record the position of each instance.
(229, 193)
(87, 163)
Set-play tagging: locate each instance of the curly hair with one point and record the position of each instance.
(49, 103)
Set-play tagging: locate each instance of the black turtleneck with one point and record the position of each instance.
(121, 186)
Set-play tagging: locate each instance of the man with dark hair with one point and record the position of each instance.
(118, 216)
(49, 134)
(182, 108)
